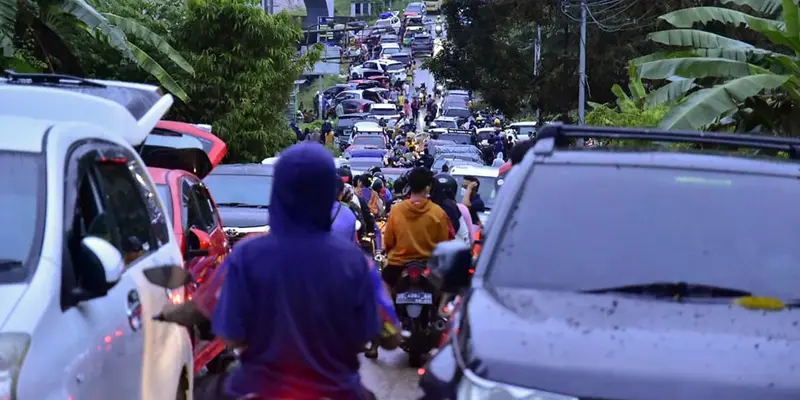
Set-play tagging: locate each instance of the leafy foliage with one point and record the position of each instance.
(639, 109)
(52, 34)
(758, 86)
(245, 64)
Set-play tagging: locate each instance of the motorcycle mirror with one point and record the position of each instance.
(168, 276)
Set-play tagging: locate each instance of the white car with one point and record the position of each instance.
(487, 188)
(388, 49)
(83, 222)
(385, 111)
(394, 69)
(365, 128)
(392, 22)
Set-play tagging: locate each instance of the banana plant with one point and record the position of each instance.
(739, 69)
(640, 98)
(114, 30)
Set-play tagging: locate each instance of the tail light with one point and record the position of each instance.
(177, 296)
(414, 273)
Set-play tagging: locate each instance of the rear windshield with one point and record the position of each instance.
(22, 202)
(641, 225)
(369, 140)
(402, 57)
(383, 112)
(175, 140)
(446, 124)
(396, 67)
(166, 196)
(230, 189)
(457, 112)
(422, 39)
(391, 50)
(486, 190)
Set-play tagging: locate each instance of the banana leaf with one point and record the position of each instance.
(706, 106)
(685, 18)
(696, 67)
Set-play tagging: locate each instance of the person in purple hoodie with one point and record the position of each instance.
(299, 303)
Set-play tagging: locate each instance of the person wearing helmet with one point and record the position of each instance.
(443, 193)
(497, 123)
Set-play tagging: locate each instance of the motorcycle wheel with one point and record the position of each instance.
(415, 359)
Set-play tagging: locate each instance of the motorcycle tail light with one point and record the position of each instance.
(177, 296)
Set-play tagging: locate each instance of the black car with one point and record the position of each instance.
(422, 45)
(636, 274)
(242, 193)
(344, 125)
(402, 57)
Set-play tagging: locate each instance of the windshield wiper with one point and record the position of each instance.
(673, 290)
(243, 205)
(9, 264)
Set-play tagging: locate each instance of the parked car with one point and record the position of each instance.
(388, 49)
(617, 319)
(344, 125)
(386, 111)
(243, 194)
(462, 113)
(357, 94)
(396, 70)
(85, 222)
(353, 106)
(416, 8)
(332, 91)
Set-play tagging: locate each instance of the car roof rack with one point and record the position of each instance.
(131, 110)
(559, 131)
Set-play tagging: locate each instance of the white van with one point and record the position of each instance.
(82, 221)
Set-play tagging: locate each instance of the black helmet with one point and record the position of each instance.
(444, 186)
(377, 185)
(401, 184)
(379, 175)
(346, 174)
(374, 170)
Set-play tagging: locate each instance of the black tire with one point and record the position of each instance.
(416, 360)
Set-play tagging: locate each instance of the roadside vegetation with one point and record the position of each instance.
(226, 61)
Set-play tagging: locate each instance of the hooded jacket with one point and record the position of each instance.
(302, 314)
(415, 226)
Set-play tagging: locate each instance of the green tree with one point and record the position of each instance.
(758, 85)
(44, 33)
(245, 64)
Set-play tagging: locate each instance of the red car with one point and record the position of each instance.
(179, 156)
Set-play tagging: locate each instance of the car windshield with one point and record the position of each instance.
(395, 68)
(388, 39)
(365, 163)
(22, 202)
(446, 123)
(458, 138)
(457, 112)
(422, 39)
(526, 130)
(487, 189)
(166, 196)
(391, 50)
(383, 111)
(402, 57)
(369, 140)
(643, 225)
(254, 190)
(417, 8)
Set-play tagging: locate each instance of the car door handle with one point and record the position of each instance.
(134, 310)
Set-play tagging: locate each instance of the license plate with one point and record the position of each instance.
(414, 298)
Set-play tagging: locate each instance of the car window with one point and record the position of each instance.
(372, 140)
(383, 111)
(457, 112)
(395, 67)
(206, 207)
(158, 220)
(253, 190)
(22, 202)
(167, 138)
(526, 130)
(486, 190)
(641, 225)
(123, 204)
(166, 196)
(191, 217)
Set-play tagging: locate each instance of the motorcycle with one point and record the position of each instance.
(415, 297)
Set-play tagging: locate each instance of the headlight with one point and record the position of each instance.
(13, 347)
(473, 387)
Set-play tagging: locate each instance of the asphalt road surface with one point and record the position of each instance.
(390, 377)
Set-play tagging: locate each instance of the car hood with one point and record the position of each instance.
(613, 347)
(10, 293)
(241, 217)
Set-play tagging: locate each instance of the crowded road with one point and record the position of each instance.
(389, 376)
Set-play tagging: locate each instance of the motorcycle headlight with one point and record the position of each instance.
(473, 387)
(13, 347)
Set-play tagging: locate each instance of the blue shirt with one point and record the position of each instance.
(300, 298)
(344, 221)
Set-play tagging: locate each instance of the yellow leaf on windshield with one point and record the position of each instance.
(760, 303)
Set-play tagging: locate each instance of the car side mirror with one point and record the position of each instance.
(451, 266)
(168, 276)
(198, 243)
(103, 254)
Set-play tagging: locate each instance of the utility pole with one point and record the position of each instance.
(271, 6)
(537, 59)
(582, 68)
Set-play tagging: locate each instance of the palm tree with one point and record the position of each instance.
(739, 78)
(45, 22)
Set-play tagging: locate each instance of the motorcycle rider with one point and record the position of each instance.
(291, 350)
(443, 193)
